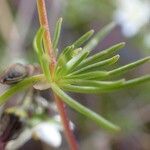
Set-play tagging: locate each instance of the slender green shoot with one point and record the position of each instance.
(83, 39)
(85, 111)
(101, 55)
(57, 34)
(22, 85)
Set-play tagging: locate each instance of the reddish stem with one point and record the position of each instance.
(69, 135)
(48, 46)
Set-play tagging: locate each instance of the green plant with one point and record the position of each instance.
(75, 71)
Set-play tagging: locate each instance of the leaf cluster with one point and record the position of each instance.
(77, 71)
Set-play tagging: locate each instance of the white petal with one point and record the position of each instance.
(48, 133)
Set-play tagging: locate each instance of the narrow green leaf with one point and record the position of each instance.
(83, 38)
(100, 84)
(84, 111)
(88, 75)
(63, 56)
(73, 53)
(74, 62)
(84, 89)
(128, 67)
(94, 89)
(37, 42)
(136, 81)
(57, 33)
(101, 55)
(99, 37)
(19, 87)
(103, 63)
(46, 63)
(40, 52)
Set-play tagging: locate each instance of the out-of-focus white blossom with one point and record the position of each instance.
(132, 15)
(48, 133)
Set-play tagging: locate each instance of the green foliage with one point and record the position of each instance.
(57, 34)
(38, 46)
(83, 38)
(24, 84)
(76, 71)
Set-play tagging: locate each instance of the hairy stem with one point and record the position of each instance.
(48, 46)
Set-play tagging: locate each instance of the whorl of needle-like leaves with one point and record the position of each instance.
(78, 72)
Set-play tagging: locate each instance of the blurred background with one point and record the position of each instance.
(129, 108)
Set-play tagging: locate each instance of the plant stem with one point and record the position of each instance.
(47, 37)
(69, 135)
(48, 46)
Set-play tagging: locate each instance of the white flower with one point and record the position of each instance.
(132, 15)
(48, 133)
